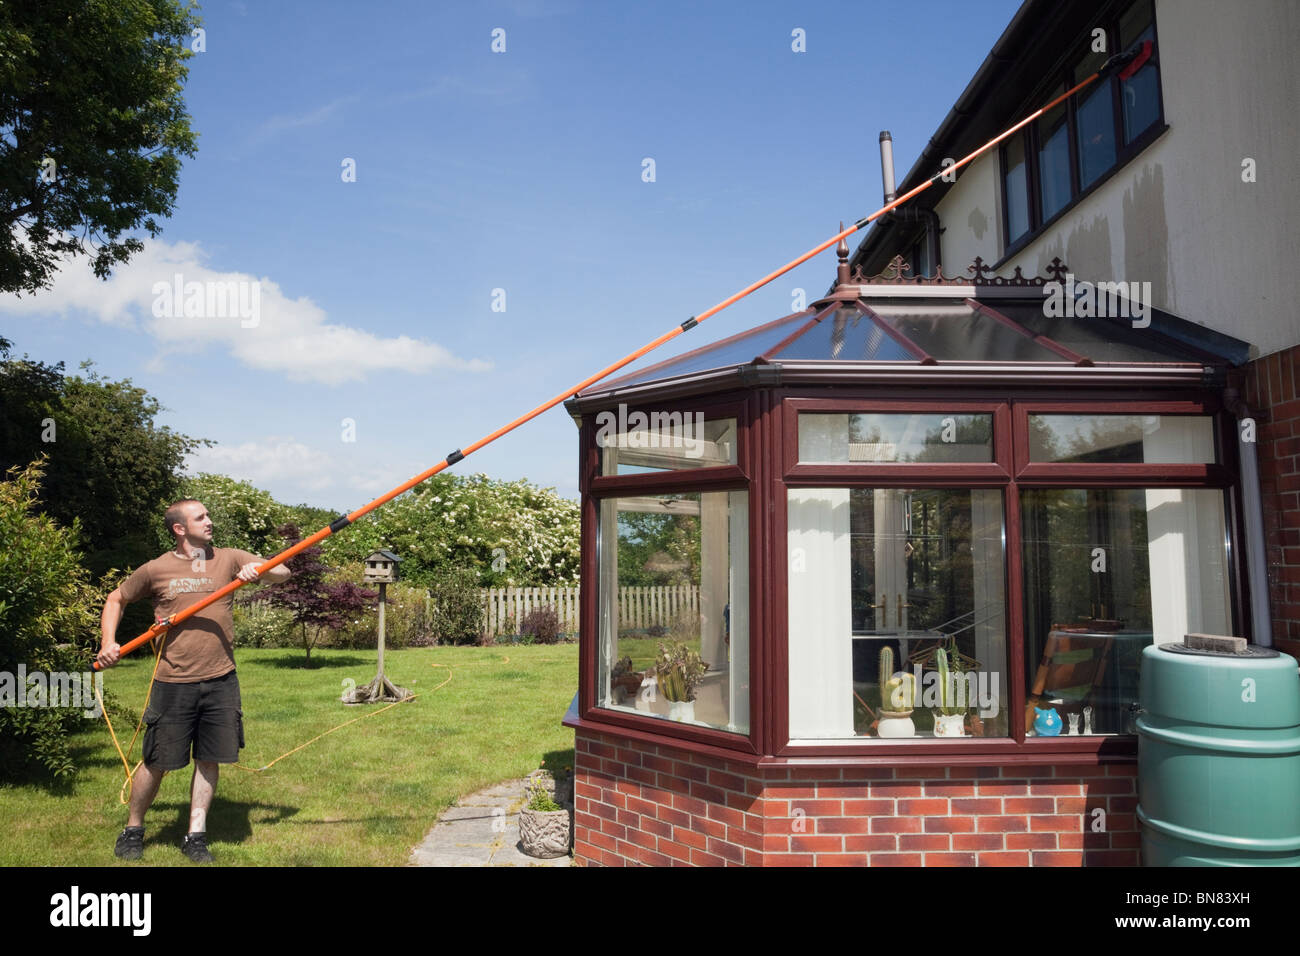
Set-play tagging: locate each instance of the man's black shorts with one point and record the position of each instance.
(207, 714)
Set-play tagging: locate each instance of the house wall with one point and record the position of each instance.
(971, 217)
(1216, 250)
(640, 803)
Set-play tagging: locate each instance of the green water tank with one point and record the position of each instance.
(1219, 758)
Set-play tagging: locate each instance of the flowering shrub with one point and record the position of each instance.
(513, 534)
(257, 624)
(242, 516)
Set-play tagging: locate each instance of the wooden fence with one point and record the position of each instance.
(656, 606)
(507, 607)
(638, 607)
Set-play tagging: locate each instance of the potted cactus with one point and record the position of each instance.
(897, 693)
(678, 672)
(950, 721)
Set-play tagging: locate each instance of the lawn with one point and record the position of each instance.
(644, 651)
(361, 796)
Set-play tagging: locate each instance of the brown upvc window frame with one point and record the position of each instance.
(595, 489)
(1127, 475)
(1033, 474)
(712, 409)
(1015, 471)
(982, 473)
(995, 474)
(767, 466)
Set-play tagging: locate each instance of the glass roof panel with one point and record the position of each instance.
(954, 332)
(737, 350)
(845, 335)
(1102, 340)
(899, 329)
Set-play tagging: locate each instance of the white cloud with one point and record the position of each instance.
(281, 334)
(278, 124)
(293, 471)
(504, 86)
(270, 461)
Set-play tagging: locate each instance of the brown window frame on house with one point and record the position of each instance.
(1011, 471)
(767, 467)
(595, 489)
(1125, 152)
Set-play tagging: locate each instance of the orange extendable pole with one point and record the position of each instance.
(342, 522)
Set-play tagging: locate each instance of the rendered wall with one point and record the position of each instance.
(1216, 250)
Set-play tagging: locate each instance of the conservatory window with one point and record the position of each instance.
(638, 442)
(1108, 571)
(674, 607)
(875, 438)
(1150, 439)
(880, 581)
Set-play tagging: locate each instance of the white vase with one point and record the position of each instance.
(896, 727)
(950, 725)
(683, 710)
(645, 695)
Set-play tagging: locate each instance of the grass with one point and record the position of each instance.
(364, 795)
(644, 651)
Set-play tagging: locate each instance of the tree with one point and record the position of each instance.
(92, 130)
(314, 602)
(121, 468)
(658, 549)
(110, 465)
(30, 395)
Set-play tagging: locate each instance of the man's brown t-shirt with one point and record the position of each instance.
(200, 647)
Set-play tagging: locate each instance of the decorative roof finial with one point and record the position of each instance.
(842, 251)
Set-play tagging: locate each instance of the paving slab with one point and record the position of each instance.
(481, 829)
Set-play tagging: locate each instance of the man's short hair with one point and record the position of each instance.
(175, 513)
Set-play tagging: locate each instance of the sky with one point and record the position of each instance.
(433, 236)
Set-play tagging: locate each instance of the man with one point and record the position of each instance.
(195, 699)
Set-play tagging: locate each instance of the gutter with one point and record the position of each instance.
(741, 378)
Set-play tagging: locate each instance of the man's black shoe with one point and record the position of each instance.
(196, 847)
(130, 844)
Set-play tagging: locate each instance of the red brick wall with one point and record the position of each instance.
(641, 803)
(1272, 394)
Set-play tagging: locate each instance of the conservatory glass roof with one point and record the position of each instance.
(944, 327)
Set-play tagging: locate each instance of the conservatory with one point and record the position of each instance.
(870, 583)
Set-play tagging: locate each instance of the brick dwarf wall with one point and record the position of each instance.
(1272, 394)
(655, 804)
